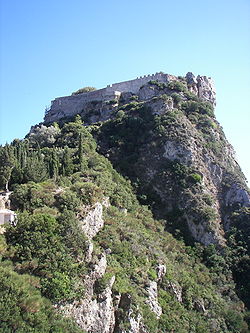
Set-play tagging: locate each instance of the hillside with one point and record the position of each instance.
(132, 216)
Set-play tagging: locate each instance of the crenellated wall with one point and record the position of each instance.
(68, 106)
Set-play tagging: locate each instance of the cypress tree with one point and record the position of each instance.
(80, 152)
(7, 161)
(67, 164)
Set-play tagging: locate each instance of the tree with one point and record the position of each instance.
(80, 151)
(67, 163)
(23, 309)
(6, 165)
(36, 169)
(54, 164)
(44, 135)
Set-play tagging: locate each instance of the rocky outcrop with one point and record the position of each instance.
(161, 271)
(202, 86)
(94, 314)
(104, 311)
(160, 105)
(237, 195)
(152, 300)
(186, 163)
(206, 89)
(129, 317)
(93, 222)
(176, 290)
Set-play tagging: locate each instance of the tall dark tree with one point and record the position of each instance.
(80, 152)
(7, 161)
(54, 164)
(67, 163)
(36, 170)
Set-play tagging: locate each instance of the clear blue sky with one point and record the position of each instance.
(50, 48)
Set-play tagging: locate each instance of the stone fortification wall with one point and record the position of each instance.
(134, 85)
(68, 106)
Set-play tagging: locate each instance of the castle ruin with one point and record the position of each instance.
(68, 106)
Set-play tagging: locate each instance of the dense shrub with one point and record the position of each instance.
(83, 90)
(23, 309)
(177, 86)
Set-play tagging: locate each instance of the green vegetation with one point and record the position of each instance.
(177, 86)
(23, 309)
(57, 177)
(83, 90)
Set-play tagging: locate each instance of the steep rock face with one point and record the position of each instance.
(99, 311)
(90, 309)
(94, 314)
(180, 156)
(206, 89)
(93, 222)
(153, 299)
(109, 263)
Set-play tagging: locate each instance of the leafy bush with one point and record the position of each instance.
(44, 135)
(176, 98)
(177, 86)
(31, 196)
(23, 309)
(197, 107)
(195, 178)
(39, 247)
(111, 102)
(83, 90)
(158, 84)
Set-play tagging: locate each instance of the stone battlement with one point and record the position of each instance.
(68, 106)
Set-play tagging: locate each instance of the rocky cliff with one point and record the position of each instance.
(176, 152)
(136, 220)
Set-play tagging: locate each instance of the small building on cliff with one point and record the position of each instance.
(6, 215)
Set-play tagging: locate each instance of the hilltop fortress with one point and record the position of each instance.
(105, 99)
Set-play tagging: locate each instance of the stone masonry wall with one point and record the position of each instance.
(68, 106)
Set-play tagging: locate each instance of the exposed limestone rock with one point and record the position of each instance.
(206, 89)
(199, 306)
(89, 250)
(94, 314)
(135, 323)
(176, 290)
(192, 83)
(202, 86)
(131, 317)
(161, 271)
(160, 106)
(199, 231)
(191, 79)
(237, 195)
(175, 151)
(100, 267)
(152, 300)
(94, 222)
(147, 92)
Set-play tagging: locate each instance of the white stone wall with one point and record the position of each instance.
(134, 85)
(7, 216)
